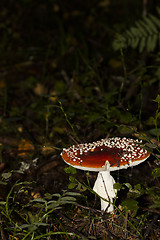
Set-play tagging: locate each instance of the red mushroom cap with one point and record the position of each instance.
(115, 153)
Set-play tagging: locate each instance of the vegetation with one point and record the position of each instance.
(72, 72)
(145, 35)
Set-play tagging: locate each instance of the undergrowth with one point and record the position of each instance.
(62, 83)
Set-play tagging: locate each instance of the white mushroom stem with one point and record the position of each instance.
(104, 188)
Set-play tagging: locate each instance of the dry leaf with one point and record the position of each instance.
(40, 89)
(53, 96)
(35, 195)
(24, 147)
(47, 150)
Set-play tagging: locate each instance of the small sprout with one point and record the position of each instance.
(6, 176)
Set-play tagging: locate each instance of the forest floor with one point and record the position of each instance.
(62, 83)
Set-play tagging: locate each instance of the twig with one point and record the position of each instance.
(88, 208)
(70, 228)
(150, 227)
(110, 234)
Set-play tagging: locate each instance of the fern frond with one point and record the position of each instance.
(144, 35)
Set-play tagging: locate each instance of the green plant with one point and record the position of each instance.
(45, 207)
(34, 217)
(144, 35)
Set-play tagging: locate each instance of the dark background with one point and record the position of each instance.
(62, 83)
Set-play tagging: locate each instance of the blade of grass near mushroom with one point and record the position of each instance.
(103, 156)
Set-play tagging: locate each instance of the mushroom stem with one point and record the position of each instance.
(104, 188)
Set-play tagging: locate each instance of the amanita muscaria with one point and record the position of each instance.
(103, 156)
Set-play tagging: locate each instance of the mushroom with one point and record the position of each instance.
(103, 156)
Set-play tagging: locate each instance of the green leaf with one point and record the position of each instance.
(23, 226)
(119, 43)
(72, 179)
(138, 187)
(151, 43)
(53, 201)
(56, 195)
(151, 25)
(155, 20)
(48, 196)
(134, 31)
(38, 205)
(3, 183)
(157, 99)
(68, 199)
(72, 194)
(72, 185)
(53, 205)
(141, 29)
(156, 171)
(144, 35)
(6, 175)
(128, 185)
(41, 224)
(118, 186)
(135, 43)
(32, 228)
(39, 200)
(70, 170)
(131, 205)
(142, 44)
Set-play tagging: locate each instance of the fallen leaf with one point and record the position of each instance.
(24, 147)
(40, 89)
